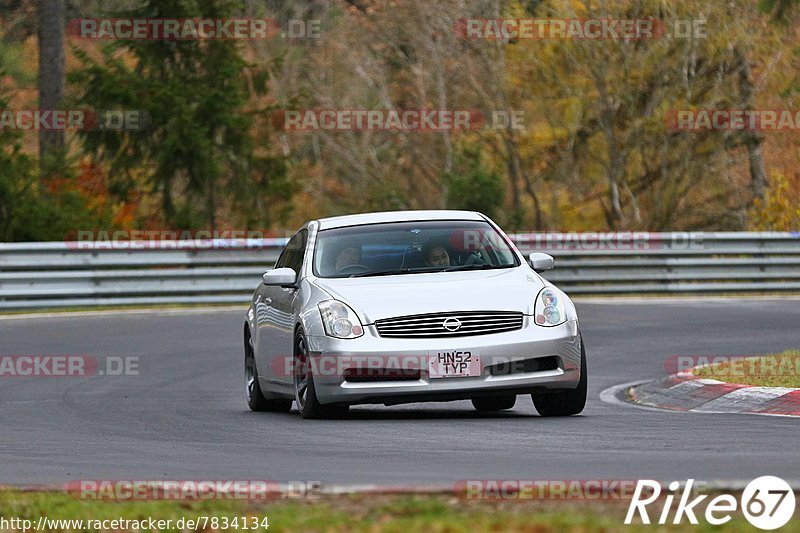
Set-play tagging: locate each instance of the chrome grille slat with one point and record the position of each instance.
(463, 325)
(432, 325)
(438, 320)
(462, 318)
(495, 325)
(504, 314)
(440, 335)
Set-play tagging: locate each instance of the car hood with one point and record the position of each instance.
(512, 289)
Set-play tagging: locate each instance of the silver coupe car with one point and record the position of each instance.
(410, 306)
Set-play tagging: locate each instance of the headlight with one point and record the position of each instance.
(339, 320)
(550, 308)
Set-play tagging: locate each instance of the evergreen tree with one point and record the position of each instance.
(197, 149)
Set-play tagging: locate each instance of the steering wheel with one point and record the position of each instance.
(474, 259)
(353, 269)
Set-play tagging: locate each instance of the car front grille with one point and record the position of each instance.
(454, 324)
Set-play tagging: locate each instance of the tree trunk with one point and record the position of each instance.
(751, 139)
(51, 73)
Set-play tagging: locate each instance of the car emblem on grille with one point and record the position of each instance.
(451, 324)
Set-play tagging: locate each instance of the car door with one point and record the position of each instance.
(276, 321)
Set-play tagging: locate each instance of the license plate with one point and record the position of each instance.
(459, 364)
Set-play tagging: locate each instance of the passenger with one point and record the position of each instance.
(436, 254)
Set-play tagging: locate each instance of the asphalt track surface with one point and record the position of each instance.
(184, 417)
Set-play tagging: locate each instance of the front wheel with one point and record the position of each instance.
(305, 394)
(567, 402)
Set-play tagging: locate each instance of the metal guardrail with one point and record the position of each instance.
(76, 274)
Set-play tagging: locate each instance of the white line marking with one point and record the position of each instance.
(605, 300)
(706, 381)
(620, 300)
(107, 312)
(444, 488)
(609, 396)
(685, 387)
(740, 400)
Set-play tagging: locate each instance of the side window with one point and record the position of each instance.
(281, 262)
(294, 253)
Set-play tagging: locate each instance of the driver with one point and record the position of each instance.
(349, 253)
(435, 254)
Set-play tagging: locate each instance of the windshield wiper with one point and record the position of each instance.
(474, 266)
(381, 273)
(398, 271)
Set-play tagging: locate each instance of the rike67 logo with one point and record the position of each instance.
(767, 502)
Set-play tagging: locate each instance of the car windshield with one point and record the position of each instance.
(409, 248)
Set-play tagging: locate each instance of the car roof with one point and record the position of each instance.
(397, 216)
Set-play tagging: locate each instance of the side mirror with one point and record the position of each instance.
(280, 277)
(541, 262)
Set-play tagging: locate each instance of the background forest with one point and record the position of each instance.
(595, 152)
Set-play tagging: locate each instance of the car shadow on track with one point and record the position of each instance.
(421, 414)
(383, 414)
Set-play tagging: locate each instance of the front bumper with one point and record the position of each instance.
(531, 341)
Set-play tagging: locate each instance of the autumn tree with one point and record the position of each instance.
(197, 152)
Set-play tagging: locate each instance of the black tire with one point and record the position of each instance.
(305, 393)
(495, 403)
(253, 394)
(567, 402)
